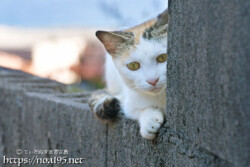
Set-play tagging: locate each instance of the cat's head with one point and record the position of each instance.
(139, 54)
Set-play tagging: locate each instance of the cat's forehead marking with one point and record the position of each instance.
(139, 30)
(136, 32)
(153, 29)
(150, 29)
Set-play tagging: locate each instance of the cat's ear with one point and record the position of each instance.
(159, 29)
(115, 41)
(162, 24)
(162, 19)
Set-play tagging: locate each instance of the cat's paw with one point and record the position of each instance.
(150, 123)
(110, 108)
(105, 107)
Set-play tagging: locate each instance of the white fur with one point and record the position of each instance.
(139, 99)
(100, 101)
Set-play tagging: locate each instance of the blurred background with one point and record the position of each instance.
(55, 39)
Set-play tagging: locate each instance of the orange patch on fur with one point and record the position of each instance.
(138, 32)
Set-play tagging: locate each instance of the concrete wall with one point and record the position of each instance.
(207, 101)
(208, 86)
(39, 114)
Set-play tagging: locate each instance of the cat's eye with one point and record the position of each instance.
(133, 66)
(161, 58)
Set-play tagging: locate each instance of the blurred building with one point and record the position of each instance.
(68, 56)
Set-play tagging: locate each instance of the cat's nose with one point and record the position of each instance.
(153, 81)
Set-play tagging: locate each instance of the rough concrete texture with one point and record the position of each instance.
(39, 114)
(208, 85)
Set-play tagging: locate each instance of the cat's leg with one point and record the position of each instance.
(150, 121)
(104, 105)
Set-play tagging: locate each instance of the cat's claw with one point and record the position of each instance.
(150, 124)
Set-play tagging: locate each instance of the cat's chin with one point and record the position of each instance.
(156, 90)
(153, 90)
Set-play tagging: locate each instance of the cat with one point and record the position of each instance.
(135, 75)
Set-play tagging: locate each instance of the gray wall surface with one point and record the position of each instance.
(208, 111)
(208, 86)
